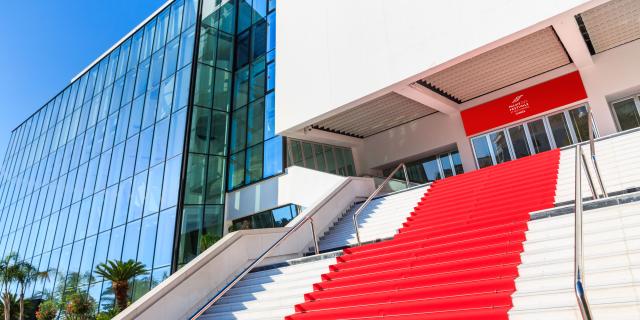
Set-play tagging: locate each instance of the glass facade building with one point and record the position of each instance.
(130, 160)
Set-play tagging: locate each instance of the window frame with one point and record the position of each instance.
(636, 99)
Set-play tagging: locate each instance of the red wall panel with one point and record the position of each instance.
(536, 99)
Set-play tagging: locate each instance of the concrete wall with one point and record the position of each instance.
(332, 53)
(614, 74)
(298, 185)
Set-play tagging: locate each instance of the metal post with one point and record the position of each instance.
(594, 194)
(406, 176)
(315, 239)
(592, 146)
(578, 272)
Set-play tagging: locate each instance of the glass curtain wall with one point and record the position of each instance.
(204, 189)
(321, 157)
(255, 151)
(94, 174)
(431, 168)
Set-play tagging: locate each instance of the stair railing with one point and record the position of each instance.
(578, 270)
(374, 194)
(266, 253)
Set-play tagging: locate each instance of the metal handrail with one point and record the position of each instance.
(374, 194)
(578, 271)
(266, 253)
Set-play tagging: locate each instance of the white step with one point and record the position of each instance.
(618, 160)
(380, 219)
(269, 294)
(544, 288)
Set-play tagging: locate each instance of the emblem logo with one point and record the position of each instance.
(519, 105)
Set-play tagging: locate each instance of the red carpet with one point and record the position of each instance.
(456, 257)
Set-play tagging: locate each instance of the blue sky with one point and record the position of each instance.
(44, 44)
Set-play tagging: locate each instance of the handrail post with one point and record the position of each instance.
(578, 271)
(313, 234)
(592, 147)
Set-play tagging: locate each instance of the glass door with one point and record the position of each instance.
(519, 141)
(500, 146)
(481, 149)
(560, 130)
(539, 136)
(579, 119)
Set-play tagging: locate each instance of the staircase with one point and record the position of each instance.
(612, 263)
(618, 160)
(269, 294)
(456, 257)
(381, 219)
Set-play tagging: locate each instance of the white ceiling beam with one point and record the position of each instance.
(428, 98)
(570, 36)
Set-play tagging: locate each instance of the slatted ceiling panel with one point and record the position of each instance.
(375, 116)
(513, 62)
(612, 24)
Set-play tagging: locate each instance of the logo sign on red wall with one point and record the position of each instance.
(524, 103)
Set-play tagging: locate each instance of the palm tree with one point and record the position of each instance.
(120, 273)
(25, 274)
(8, 272)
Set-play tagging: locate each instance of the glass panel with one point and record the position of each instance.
(195, 181)
(481, 149)
(579, 121)
(165, 98)
(446, 165)
(238, 130)
(215, 179)
(319, 155)
(519, 141)
(147, 240)
(222, 90)
(176, 134)
(242, 87)
(225, 51)
(282, 216)
(200, 125)
(255, 122)
(204, 86)
(171, 183)
(254, 164)
(213, 223)
(132, 235)
(500, 146)
(627, 114)
(307, 151)
(138, 192)
(273, 156)
(330, 158)
(431, 169)
(208, 45)
(539, 136)
(164, 240)
(560, 130)
(190, 233)
(218, 140)
(154, 188)
(236, 170)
